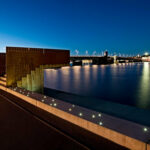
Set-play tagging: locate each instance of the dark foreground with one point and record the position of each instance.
(23, 126)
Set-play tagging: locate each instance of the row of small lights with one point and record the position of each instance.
(53, 100)
(81, 114)
(70, 109)
(23, 92)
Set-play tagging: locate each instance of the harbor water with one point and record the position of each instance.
(125, 83)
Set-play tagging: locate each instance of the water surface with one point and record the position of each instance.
(127, 84)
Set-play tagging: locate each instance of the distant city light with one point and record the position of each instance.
(146, 53)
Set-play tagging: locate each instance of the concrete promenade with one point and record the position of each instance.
(20, 129)
(23, 128)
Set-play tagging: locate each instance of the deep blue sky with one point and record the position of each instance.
(121, 26)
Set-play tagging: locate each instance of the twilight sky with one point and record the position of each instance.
(120, 26)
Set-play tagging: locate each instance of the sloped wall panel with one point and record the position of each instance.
(20, 61)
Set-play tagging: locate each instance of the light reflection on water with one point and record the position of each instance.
(124, 83)
(144, 86)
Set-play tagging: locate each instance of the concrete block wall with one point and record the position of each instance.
(35, 80)
(21, 61)
(2, 64)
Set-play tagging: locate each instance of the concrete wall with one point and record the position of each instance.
(2, 63)
(21, 61)
(35, 80)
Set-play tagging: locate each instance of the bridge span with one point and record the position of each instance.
(79, 60)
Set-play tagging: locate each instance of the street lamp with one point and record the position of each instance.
(146, 53)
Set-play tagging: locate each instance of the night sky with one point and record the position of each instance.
(120, 26)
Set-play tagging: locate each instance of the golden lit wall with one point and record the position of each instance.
(20, 61)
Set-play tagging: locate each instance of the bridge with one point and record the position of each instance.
(79, 60)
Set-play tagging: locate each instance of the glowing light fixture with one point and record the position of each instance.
(55, 104)
(100, 123)
(80, 114)
(146, 53)
(99, 115)
(145, 129)
(93, 116)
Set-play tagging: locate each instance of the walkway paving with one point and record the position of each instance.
(26, 127)
(20, 129)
